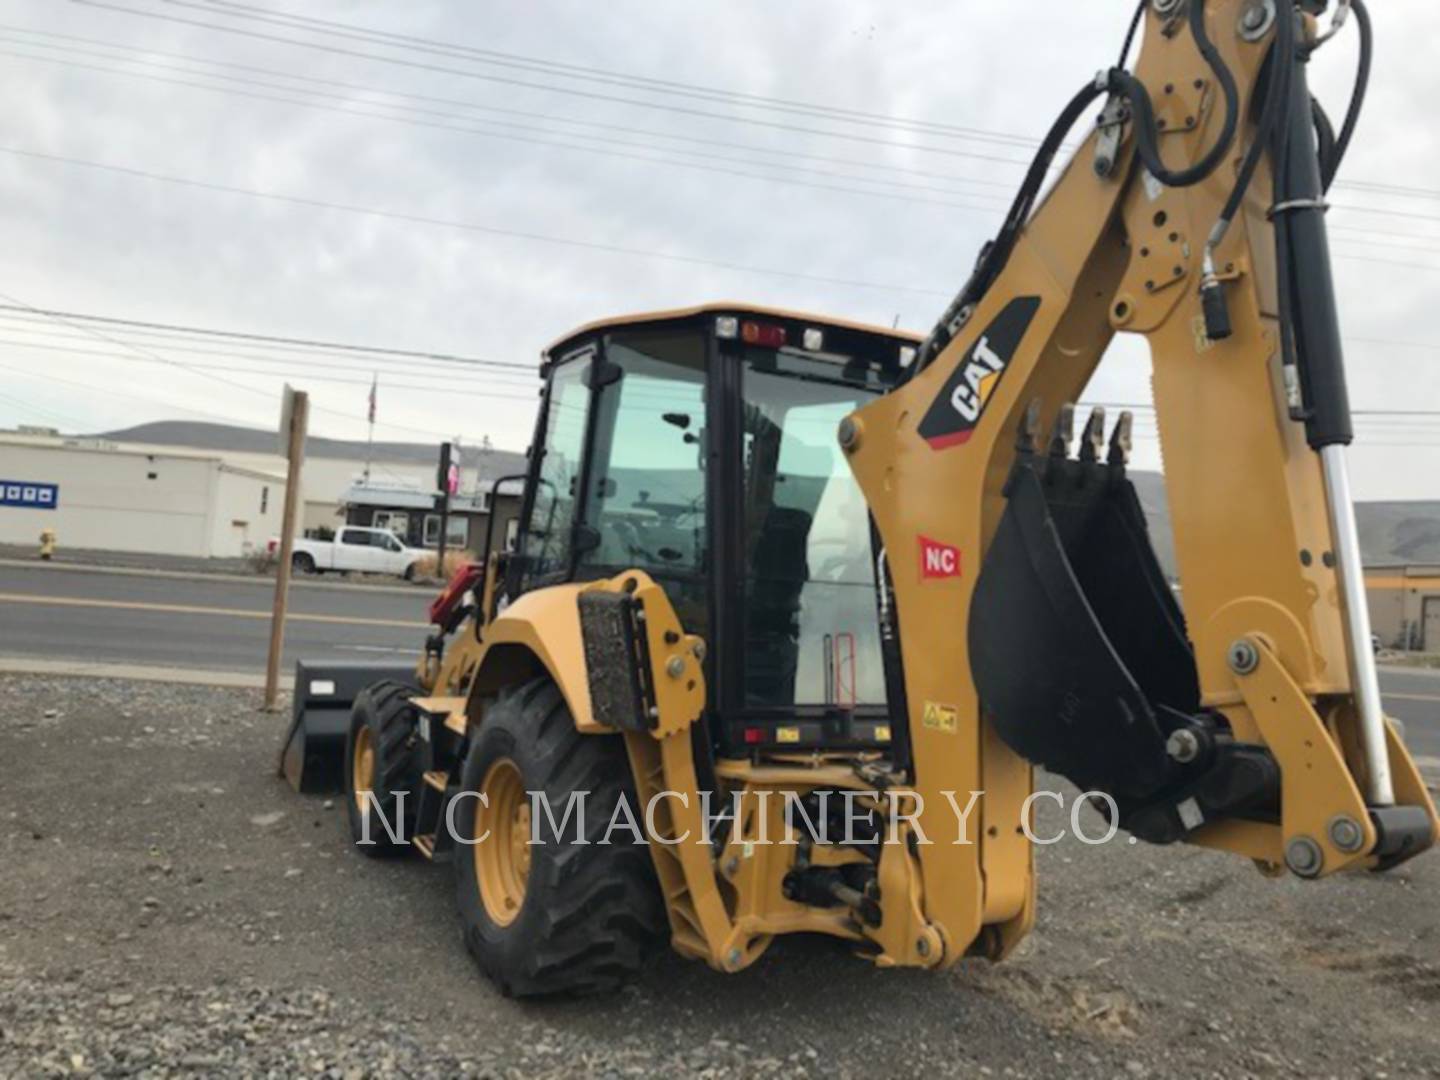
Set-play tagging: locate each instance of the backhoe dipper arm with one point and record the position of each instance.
(1192, 215)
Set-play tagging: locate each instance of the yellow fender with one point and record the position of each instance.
(539, 632)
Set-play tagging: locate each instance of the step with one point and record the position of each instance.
(437, 779)
(426, 845)
(439, 705)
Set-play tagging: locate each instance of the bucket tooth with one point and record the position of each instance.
(1092, 442)
(1063, 431)
(1120, 440)
(1027, 439)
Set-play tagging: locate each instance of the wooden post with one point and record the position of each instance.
(298, 411)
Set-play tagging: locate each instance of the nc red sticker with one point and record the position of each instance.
(938, 560)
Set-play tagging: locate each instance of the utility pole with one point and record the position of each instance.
(443, 476)
(370, 439)
(294, 418)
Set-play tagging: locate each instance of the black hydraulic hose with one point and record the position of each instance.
(1147, 136)
(997, 253)
(1284, 283)
(1277, 103)
(1116, 81)
(1324, 133)
(1357, 99)
(1135, 22)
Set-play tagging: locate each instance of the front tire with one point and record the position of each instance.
(382, 761)
(557, 917)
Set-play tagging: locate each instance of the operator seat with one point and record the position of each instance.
(779, 569)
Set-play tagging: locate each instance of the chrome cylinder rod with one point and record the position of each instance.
(1364, 680)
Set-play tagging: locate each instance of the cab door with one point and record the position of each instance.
(549, 516)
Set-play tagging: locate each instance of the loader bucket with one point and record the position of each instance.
(1076, 641)
(312, 755)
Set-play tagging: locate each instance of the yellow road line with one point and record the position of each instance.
(188, 609)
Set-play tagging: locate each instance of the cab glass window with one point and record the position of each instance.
(547, 540)
(811, 627)
(647, 490)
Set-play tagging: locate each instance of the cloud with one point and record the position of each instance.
(99, 242)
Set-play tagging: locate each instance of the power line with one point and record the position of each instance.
(419, 219)
(150, 354)
(578, 72)
(602, 151)
(438, 391)
(492, 230)
(109, 393)
(1386, 262)
(40, 412)
(1390, 245)
(1392, 343)
(301, 368)
(308, 343)
(460, 103)
(368, 35)
(462, 73)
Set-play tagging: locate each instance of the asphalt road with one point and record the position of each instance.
(209, 623)
(1414, 697)
(220, 624)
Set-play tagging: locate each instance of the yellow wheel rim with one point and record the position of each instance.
(502, 855)
(362, 767)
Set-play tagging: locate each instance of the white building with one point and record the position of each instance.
(99, 494)
(219, 491)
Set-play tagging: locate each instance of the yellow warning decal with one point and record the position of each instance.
(882, 732)
(944, 718)
(787, 734)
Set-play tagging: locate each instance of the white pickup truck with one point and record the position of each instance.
(355, 549)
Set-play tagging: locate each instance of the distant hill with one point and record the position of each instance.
(1391, 533)
(244, 440)
(1396, 533)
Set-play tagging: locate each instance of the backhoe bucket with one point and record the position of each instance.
(1079, 648)
(312, 755)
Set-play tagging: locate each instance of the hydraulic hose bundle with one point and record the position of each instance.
(1119, 83)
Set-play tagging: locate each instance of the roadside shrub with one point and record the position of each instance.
(427, 567)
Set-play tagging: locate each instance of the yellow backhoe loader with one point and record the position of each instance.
(797, 605)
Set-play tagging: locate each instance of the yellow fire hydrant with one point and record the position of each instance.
(47, 543)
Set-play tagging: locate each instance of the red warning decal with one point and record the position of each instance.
(938, 560)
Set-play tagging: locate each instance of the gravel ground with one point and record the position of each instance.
(167, 907)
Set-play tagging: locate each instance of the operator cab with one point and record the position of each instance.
(700, 446)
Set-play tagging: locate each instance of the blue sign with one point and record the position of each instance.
(31, 496)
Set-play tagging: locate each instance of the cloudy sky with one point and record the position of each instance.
(507, 171)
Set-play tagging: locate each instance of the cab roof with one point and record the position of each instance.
(728, 307)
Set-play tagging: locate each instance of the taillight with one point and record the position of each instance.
(754, 735)
(764, 334)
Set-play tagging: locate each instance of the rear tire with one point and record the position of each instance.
(585, 916)
(382, 758)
